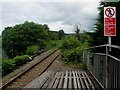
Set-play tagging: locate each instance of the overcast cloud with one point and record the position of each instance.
(58, 15)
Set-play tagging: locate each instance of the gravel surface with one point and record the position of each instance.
(57, 65)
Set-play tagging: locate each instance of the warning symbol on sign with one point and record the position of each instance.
(109, 12)
(109, 21)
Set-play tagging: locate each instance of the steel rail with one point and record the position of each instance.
(11, 81)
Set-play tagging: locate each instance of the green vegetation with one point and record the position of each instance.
(83, 66)
(27, 39)
(61, 34)
(32, 50)
(9, 65)
(51, 44)
(72, 48)
(31, 38)
(52, 50)
(26, 35)
(0, 68)
(21, 60)
(13, 75)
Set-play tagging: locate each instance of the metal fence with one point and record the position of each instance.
(105, 68)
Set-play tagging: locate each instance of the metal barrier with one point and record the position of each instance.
(105, 68)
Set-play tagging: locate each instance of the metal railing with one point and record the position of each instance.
(105, 68)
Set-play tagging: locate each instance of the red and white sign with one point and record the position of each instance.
(109, 21)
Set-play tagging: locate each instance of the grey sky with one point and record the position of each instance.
(58, 15)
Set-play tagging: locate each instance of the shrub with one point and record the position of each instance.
(21, 60)
(32, 50)
(70, 42)
(41, 43)
(7, 66)
(72, 49)
(51, 44)
(71, 56)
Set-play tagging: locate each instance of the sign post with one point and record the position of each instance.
(109, 30)
(109, 23)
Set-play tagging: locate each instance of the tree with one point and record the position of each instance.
(16, 39)
(77, 31)
(61, 34)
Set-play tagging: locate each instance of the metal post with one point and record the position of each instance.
(84, 57)
(88, 58)
(106, 71)
(109, 42)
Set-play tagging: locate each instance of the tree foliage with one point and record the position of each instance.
(32, 50)
(72, 48)
(77, 31)
(16, 39)
(11, 64)
(61, 34)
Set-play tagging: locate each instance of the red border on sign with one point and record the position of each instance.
(107, 10)
(109, 21)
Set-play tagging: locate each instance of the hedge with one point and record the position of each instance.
(11, 64)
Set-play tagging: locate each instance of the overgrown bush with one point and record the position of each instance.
(51, 44)
(72, 49)
(8, 66)
(41, 43)
(70, 42)
(32, 50)
(21, 60)
(71, 56)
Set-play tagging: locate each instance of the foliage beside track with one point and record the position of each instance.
(11, 64)
(26, 35)
(72, 49)
(32, 38)
(33, 50)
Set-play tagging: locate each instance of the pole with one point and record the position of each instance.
(109, 42)
(106, 70)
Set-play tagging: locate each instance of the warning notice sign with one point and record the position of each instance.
(109, 21)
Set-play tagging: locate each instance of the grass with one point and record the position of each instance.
(80, 65)
(13, 75)
(52, 50)
(83, 66)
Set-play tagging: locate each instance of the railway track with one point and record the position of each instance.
(33, 72)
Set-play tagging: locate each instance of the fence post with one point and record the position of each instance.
(84, 56)
(106, 68)
(88, 58)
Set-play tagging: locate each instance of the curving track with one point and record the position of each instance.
(33, 72)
